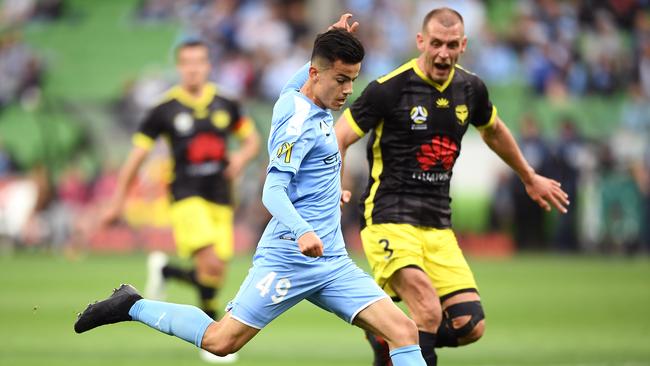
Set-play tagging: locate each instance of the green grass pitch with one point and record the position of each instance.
(542, 310)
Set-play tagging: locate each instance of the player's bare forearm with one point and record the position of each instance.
(250, 147)
(546, 192)
(501, 141)
(124, 182)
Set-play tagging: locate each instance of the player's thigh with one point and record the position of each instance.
(385, 319)
(445, 263)
(414, 287)
(276, 282)
(346, 289)
(389, 247)
(192, 225)
(227, 336)
(223, 222)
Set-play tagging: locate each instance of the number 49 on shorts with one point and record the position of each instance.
(282, 287)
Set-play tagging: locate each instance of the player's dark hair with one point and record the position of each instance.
(189, 43)
(338, 44)
(444, 15)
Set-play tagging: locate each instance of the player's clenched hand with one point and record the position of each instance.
(310, 244)
(343, 23)
(547, 192)
(345, 196)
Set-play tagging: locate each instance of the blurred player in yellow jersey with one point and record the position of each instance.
(197, 122)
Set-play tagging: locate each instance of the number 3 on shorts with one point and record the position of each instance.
(281, 287)
(388, 250)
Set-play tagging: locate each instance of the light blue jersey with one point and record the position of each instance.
(302, 191)
(302, 143)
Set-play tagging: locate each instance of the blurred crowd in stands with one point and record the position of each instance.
(560, 50)
(21, 69)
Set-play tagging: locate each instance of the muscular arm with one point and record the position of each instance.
(124, 182)
(544, 191)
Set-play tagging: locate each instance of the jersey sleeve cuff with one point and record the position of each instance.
(493, 118)
(245, 127)
(353, 124)
(302, 230)
(281, 168)
(142, 141)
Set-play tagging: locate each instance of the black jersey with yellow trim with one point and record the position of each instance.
(197, 130)
(416, 130)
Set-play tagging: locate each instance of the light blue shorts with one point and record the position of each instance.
(280, 279)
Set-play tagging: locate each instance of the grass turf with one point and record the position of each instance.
(542, 310)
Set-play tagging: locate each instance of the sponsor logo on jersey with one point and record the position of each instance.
(442, 103)
(419, 116)
(206, 147)
(461, 114)
(441, 151)
(183, 123)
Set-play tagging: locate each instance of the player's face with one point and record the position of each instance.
(441, 47)
(334, 84)
(193, 65)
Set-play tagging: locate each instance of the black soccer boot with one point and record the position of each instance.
(380, 349)
(112, 310)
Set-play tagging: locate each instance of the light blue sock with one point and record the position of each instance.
(407, 356)
(183, 321)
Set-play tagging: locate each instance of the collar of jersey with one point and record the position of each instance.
(303, 96)
(182, 96)
(424, 76)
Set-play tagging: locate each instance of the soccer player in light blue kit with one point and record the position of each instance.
(301, 254)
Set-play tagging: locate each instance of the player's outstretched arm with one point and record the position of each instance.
(124, 182)
(546, 192)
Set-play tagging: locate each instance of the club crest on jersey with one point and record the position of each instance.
(461, 114)
(183, 123)
(419, 116)
(220, 119)
(325, 128)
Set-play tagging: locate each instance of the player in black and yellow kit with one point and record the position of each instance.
(416, 117)
(197, 122)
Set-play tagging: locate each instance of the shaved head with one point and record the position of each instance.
(446, 16)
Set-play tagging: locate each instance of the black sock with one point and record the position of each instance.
(445, 337)
(428, 347)
(207, 294)
(181, 274)
(380, 350)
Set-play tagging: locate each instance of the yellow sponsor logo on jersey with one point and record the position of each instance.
(442, 103)
(462, 113)
(221, 119)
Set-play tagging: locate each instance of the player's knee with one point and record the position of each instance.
(403, 333)
(429, 314)
(462, 324)
(474, 335)
(222, 346)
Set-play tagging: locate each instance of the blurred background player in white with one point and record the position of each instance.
(197, 122)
